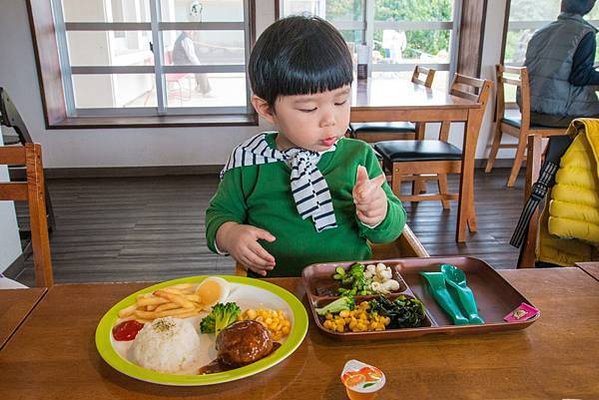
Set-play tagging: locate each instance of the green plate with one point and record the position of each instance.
(299, 328)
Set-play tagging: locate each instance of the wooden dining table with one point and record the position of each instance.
(15, 307)
(591, 268)
(377, 100)
(52, 355)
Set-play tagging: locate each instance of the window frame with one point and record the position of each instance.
(369, 25)
(48, 31)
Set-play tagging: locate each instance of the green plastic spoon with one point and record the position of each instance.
(436, 282)
(456, 281)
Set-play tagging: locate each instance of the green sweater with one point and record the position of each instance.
(260, 195)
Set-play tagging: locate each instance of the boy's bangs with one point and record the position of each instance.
(315, 68)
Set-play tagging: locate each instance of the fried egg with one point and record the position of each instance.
(213, 290)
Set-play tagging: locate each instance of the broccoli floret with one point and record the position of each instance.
(207, 324)
(342, 303)
(221, 316)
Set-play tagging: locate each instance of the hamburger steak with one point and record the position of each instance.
(242, 343)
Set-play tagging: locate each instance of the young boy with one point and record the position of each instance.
(303, 194)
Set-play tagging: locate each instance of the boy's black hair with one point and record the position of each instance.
(299, 55)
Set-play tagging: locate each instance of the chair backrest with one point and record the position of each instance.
(33, 192)
(428, 73)
(10, 117)
(469, 88)
(517, 77)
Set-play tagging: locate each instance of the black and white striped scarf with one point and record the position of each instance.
(308, 186)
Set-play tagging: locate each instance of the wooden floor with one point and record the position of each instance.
(152, 228)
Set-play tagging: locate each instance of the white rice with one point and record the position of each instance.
(167, 344)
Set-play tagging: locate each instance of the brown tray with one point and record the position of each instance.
(495, 297)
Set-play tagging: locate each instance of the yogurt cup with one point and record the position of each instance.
(362, 381)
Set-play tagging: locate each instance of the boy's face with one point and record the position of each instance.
(311, 121)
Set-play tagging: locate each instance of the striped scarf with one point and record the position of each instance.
(309, 188)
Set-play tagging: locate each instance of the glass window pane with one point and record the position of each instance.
(106, 10)
(204, 47)
(398, 47)
(529, 11)
(516, 43)
(413, 10)
(202, 11)
(102, 48)
(114, 90)
(331, 10)
(206, 90)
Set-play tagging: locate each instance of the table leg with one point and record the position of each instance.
(466, 210)
(533, 169)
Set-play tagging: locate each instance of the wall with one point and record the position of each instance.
(155, 147)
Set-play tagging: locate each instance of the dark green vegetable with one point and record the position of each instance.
(404, 311)
(221, 316)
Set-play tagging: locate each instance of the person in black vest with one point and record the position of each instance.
(560, 59)
(184, 54)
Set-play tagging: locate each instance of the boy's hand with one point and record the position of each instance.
(241, 242)
(369, 197)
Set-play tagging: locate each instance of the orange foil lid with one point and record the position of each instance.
(361, 377)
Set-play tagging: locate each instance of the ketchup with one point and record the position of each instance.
(126, 330)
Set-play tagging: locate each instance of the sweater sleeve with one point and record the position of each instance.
(583, 71)
(227, 204)
(392, 225)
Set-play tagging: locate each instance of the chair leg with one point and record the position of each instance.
(443, 189)
(517, 162)
(395, 181)
(50, 212)
(494, 148)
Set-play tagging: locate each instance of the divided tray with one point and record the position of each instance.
(495, 297)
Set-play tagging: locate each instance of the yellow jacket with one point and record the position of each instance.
(569, 230)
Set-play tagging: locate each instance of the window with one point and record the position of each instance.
(525, 17)
(153, 57)
(401, 33)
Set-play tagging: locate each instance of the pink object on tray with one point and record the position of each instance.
(522, 313)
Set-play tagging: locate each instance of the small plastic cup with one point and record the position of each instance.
(362, 381)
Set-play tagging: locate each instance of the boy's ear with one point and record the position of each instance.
(263, 109)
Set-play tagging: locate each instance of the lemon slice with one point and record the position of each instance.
(213, 290)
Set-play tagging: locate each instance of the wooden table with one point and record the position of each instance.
(15, 306)
(53, 355)
(591, 268)
(400, 100)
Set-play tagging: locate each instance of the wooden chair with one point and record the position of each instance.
(32, 191)
(10, 117)
(406, 158)
(407, 245)
(514, 125)
(373, 132)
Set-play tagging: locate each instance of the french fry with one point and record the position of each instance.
(178, 301)
(166, 306)
(175, 298)
(127, 311)
(193, 297)
(151, 301)
(182, 286)
(151, 315)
